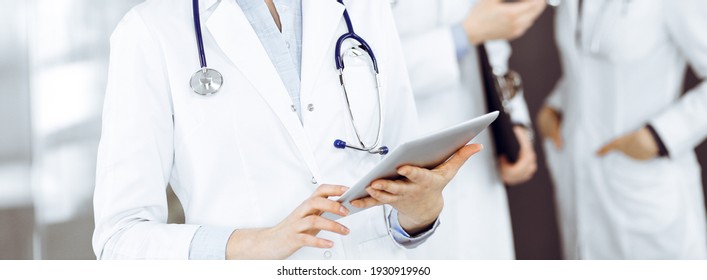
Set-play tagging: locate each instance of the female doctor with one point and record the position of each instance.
(438, 38)
(627, 181)
(248, 149)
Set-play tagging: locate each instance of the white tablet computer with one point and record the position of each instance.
(428, 151)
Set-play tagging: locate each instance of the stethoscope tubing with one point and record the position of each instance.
(351, 34)
(375, 149)
(338, 58)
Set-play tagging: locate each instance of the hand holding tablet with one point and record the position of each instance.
(425, 152)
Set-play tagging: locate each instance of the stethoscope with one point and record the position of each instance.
(207, 81)
(339, 58)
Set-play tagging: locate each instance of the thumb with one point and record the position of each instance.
(459, 158)
(503, 161)
(608, 148)
(557, 138)
(491, 1)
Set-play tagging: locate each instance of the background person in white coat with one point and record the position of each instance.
(252, 173)
(438, 38)
(627, 180)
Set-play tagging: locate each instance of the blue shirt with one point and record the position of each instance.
(284, 48)
(461, 41)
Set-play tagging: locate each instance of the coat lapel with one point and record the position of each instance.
(235, 36)
(320, 20)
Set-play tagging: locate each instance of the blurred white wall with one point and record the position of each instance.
(16, 212)
(53, 65)
(14, 105)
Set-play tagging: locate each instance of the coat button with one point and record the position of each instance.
(310, 107)
(292, 107)
(327, 254)
(314, 181)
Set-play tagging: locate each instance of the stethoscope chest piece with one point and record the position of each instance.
(206, 81)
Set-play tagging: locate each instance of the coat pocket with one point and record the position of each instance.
(648, 193)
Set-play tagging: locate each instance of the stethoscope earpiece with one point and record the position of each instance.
(339, 144)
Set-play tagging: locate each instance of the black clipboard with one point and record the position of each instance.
(504, 138)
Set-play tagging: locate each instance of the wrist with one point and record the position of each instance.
(415, 225)
(233, 247)
(243, 243)
(473, 33)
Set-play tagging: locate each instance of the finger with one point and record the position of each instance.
(529, 165)
(523, 138)
(503, 162)
(311, 241)
(390, 186)
(531, 171)
(513, 169)
(316, 205)
(521, 176)
(383, 197)
(519, 8)
(329, 190)
(557, 138)
(534, 4)
(523, 164)
(528, 155)
(538, 6)
(451, 167)
(608, 148)
(525, 21)
(522, 169)
(414, 174)
(549, 122)
(365, 202)
(317, 223)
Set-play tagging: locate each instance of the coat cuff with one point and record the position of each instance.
(461, 41)
(662, 150)
(402, 237)
(675, 132)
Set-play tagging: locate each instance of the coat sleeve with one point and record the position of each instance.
(684, 125)
(135, 154)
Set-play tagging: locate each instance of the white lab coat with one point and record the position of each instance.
(240, 158)
(614, 207)
(476, 220)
